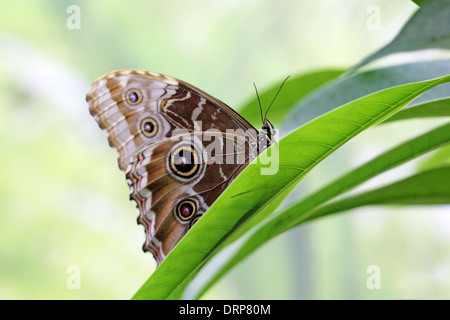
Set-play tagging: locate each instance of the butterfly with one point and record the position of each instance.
(178, 146)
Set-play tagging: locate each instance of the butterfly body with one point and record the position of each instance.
(178, 146)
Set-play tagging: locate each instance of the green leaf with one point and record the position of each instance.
(436, 138)
(344, 90)
(293, 91)
(252, 196)
(435, 108)
(303, 210)
(439, 158)
(425, 188)
(428, 28)
(420, 2)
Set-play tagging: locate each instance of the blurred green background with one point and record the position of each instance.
(64, 202)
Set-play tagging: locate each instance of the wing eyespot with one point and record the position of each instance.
(133, 96)
(185, 210)
(184, 161)
(194, 220)
(149, 127)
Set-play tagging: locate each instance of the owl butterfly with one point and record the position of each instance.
(179, 147)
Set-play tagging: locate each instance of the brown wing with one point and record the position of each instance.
(173, 142)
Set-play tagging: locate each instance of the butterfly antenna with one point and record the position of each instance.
(265, 115)
(259, 101)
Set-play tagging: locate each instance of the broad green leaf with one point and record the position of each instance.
(435, 108)
(429, 27)
(252, 196)
(293, 91)
(439, 158)
(304, 210)
(344, 90)
(425, 188)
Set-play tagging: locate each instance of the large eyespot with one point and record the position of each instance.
(184, 161)
(149, 127)
(194, 220)
(133, 96)
(185, 210)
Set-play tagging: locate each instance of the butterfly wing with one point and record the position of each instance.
(179, 147)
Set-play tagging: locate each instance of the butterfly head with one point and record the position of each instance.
(267, 133)
(266, 136)
(268, 129)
